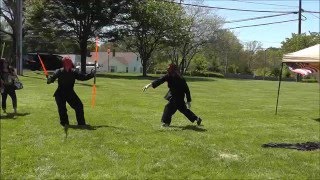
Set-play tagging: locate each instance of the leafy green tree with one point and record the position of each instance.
(199, 26)
(41, 35)
(199, 63)
(151, 23)
(8, 12)
(223, 50)
(273, 60)
(83, 20)
(253, 48)
(298, 42)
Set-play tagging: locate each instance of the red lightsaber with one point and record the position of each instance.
(43, 67)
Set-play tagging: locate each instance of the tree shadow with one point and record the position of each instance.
(194, 79)
(90, 127)
(317, 119)
(12, 115)
(305, 146)
(85, 127)
(129, 77)
(35, 77)
(189, 127)
(85, 84)
(135, 77)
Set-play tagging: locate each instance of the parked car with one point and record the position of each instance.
(50, 61)
(89, 66)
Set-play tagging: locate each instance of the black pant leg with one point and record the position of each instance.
(4, 96)
(169, 110)
(12, 94)
(62, 109)
(187, 112)
(75, 102)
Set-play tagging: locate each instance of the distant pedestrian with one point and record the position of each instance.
(65, 93)
(7, 78)
(178, 89)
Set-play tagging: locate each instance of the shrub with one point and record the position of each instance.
(158, 71)
(204, 74)
(196, 73)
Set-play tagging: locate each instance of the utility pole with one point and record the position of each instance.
(300, 11)
(18, 21)
(299, 30)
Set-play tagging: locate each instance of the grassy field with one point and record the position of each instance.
(127, 142)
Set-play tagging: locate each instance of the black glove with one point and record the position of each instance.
(49, 81)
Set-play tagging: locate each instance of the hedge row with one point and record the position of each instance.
(196, 73)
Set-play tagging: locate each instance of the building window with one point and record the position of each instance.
(141, 69)
(127, 69)
(113, 68)
(134, 69)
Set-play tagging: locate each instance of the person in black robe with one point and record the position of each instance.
(178, 89)
(65, 93)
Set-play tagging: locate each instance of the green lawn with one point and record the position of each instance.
(128, 143)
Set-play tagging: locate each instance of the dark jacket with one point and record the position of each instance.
(7, 79)
(66, 80)
(177, 85)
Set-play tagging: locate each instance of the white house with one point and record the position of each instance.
(127, 62)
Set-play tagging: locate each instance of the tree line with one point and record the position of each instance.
(161, 32)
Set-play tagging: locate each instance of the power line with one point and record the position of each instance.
(261, 17)
(278, 22)
(315, 15)
(250, 2)
(249, 10)
(234, 9)
(231, 9)
(317, 12)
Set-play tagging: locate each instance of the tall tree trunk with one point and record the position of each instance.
(182, 65)
(12, 57)
(144, 66)
(83, 50)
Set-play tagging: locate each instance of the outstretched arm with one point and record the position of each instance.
(54, 76)
(155, 83)
(84, 77)
(146, 87)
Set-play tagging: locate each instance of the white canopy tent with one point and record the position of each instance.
(307, 55)
(305, 61)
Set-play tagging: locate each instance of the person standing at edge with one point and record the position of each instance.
(178, 88)
(7, 76)
(65, 93)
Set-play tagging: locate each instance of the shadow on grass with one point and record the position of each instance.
(117, 76)
(12, 115)
(133, 77)
(85, 84)
(317, 119)
(307, 146)
(35, 77)
(187, 127)
(90, 127)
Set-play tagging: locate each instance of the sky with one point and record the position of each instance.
(269, 35)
